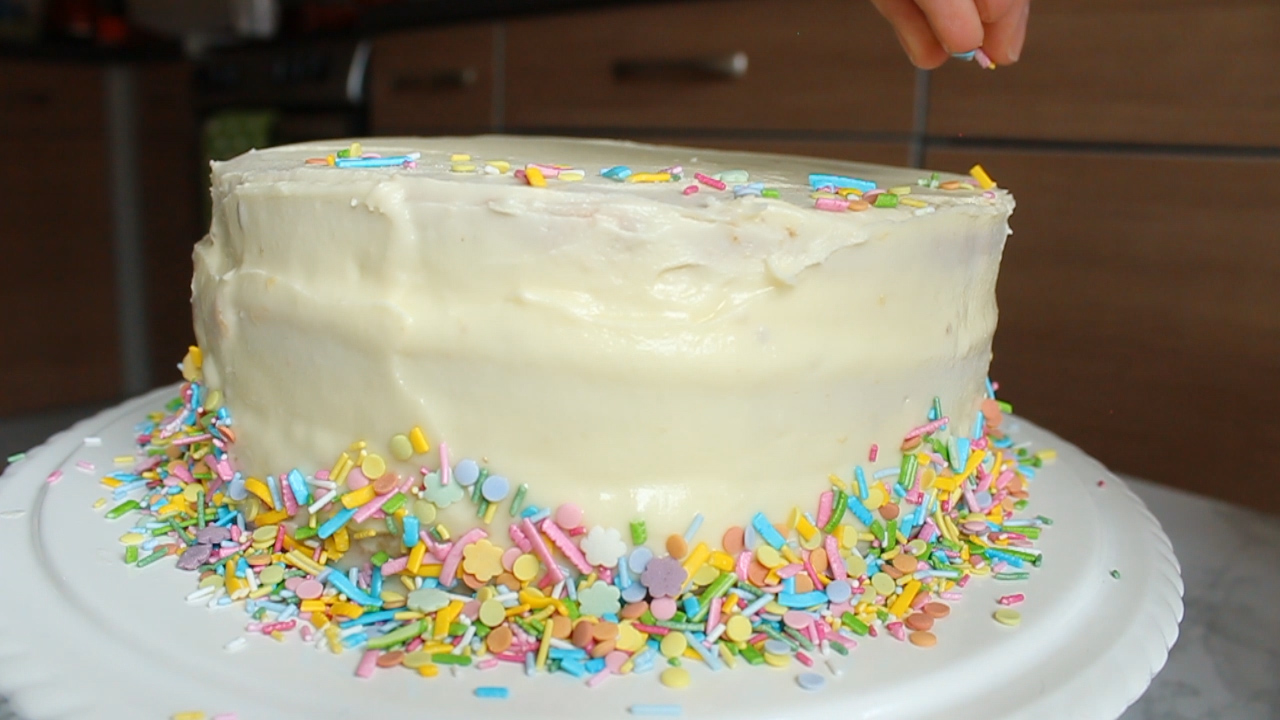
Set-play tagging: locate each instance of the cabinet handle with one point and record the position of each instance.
(437, 80)
(731, 66)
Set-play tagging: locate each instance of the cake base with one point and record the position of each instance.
(83, 635)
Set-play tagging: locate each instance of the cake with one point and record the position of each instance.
(587, 406)
(644, 350)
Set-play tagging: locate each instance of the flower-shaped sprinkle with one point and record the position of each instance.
(600, 598)
(664, 577)
(441, 495)
(603, 546)
(482, 559)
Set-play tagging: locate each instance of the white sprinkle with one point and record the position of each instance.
(236, 645)
(835, 671)
(93, 441)
(201, 594)
(12, 514)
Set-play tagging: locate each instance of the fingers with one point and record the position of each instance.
(956, 23)
(992, 11)
(1005, 35)
(914, 32)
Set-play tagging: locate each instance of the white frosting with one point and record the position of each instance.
(639, 352)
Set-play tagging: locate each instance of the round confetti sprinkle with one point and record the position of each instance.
(738, 628)
(677, 547)
(777, 660)
(705, 575)
(495, 488)
(525, 568)
(1008, 616)
(734, 540)
(373, 466)
(309, 589)
(883, 584)
(770, 558)
(425, 511)
(919, 621)
(673, 645)
(839, 591)
(466, 472)
(937, 610)
(811, 681)
(797, 619)
(499, 639)
(904, 563)
(663, 608)
(385, 484)
(776, 647)
(568, 516)
(675, 677)
(492, 613)
(271, 575)
(921, 638)
(401, 448)
(639, 559)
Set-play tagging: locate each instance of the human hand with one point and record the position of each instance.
(933, 30)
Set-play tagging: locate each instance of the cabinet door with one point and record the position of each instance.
(1143, 71)
(1140, 312)
(38, 98)
(59, 324)
(760, 64)
(879, 153)
(433, 81)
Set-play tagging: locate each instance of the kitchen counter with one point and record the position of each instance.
(1227, 658)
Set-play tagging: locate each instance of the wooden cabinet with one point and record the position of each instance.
(1142, 320)
(740, 64)
(882, 153)
(1140, 71)
(433, 81)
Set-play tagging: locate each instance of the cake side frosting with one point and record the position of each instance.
(640, 351)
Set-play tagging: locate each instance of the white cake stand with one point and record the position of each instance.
(82, 635)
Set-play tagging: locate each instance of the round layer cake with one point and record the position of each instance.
(649, 332)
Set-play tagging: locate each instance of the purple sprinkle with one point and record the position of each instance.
(212, 535)
(664, 577)
(194, 556)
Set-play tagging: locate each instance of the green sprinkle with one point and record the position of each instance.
(396, 637)
(907, 472)
(303, 533)
(891, 535)
(1115, 574)
(839, 647)
(200, 508)
(837, 511)
(517, 502)
(937, 407)
(457, 629)
(152, 558)
(673, 662)
(639, 533)
(451, 659)
(379, 558)
(118, 511)
(770, 193)
(394, 503)
(1004, 406)
(131, 554)
(682, 626)
(177, 528)
(1044, 520)
(752, 655)
(1020, 505)
(886, 200)
(1013, 575)
(391, 525)
(572, 607)
(482, 507)
(798, 637)
(17, 457)
(716, 589)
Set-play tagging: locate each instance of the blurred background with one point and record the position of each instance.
(1140, 295)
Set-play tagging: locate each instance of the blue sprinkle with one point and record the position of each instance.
(410, 530)
(298, 484)
(767, 531)
(802, 600)
(839, 182)
(693, 528)
(493, 692)
(495, 488)
(466, 472)
(810, 681)
(655, 710)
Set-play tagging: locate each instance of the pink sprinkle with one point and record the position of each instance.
(949, 595)
(368, 663)
(88, 466)
(713, 615)
(322, 475)
(580, 530)
(804, 659)
(599, 677)
(1102, 483)
(540, 549)
(689, 190)
(548, 171)
(519, 538)
(983, 60)
(290, 502)
(875, 452)
(927, 428)
(395, 565)
(740, 568)
(566, 546)
(755, 638)
(488, 663)
(451, 561)
(824, 508)
(414, 644)
(896, 630)
(1013, 599)
(191, 440)
(709, 181)
(836, 562)
(790, 571)
(279, 626)
(226, 716)
(446, 471)
(235, 532)
(367, 510)
(831, 204)
(54, 477)
(652, 629)
(964, 580)
(813, 572)
(305, 633)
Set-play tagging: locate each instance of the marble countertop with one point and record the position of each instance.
(1226, 663)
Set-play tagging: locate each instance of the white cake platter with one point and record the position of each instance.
(82, 635)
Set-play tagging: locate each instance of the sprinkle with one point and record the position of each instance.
(492, 692)
(20, 456)
(710, 181)
(656, 710)
(689, 190)
(1115, 574)
(811, 681)
(984, 180)
(54, 477)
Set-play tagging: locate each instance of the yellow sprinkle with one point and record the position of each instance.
(418, 440)
(544, 647)
(675, 677)
(189, 715)
(769, 557)
(260, 489)
(112, 482)
(572, 176)
(538, 180)
(443, 532)
(649, 177)
(501, 166)
(721, 561)
(99, 503)
(429, 671)
(981, 176)
(846, 192)
(490, 512)
(373, 466)
(463, 167)
(790, 554)
(835, 480)
(899, 606)
(673, 645)
(697, 558)
(779, 661)
(459, 157)
(356, 498)
(900, 190)
(727, 656)
(342, 460)
(803, 526)
(912, 202)
(415, 557)
(446, 616)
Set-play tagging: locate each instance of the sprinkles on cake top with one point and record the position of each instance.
(877, 553)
